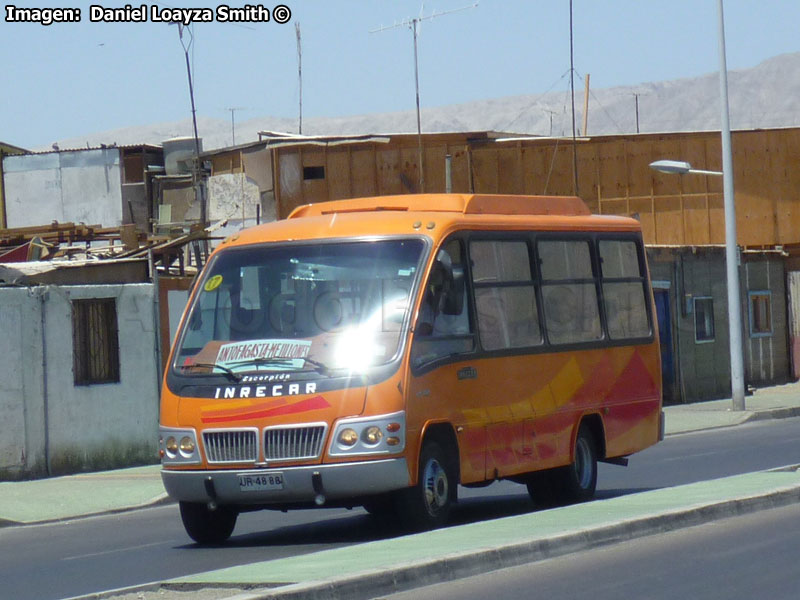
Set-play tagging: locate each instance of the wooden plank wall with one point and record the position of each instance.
(613, 178)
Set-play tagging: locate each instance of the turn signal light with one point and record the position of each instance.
(392, 441)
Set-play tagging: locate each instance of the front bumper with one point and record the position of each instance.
(300, 484)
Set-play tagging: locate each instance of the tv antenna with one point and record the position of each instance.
(413, 25)
(188, 45)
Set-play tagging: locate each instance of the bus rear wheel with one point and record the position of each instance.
(573, 483)
(427, 505)
(580, 478)
(206, 526)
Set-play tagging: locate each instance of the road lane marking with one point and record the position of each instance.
(115, 550)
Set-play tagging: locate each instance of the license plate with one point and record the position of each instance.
(261, 482)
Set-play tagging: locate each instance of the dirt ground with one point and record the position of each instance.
(203, 594)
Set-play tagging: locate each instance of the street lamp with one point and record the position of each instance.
(731, 254)
(680, 167)
(731, 260)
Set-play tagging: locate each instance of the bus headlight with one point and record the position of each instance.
(348, 437)
(178, 446)
(187, 445)
(372, 435)
(383, 434)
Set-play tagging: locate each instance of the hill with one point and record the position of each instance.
(765, 96)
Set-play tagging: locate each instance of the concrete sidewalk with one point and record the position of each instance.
(775, 402)
(73, 496)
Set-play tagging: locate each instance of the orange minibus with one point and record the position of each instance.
(379, 352)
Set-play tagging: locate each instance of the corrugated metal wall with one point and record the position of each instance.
(614, 178)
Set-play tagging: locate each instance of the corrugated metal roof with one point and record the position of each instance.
(489, 134)
(278, 139)
(7, 148)
(57, 149)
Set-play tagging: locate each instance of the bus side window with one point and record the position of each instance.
(623, 290)
(505, 297)
(569, 293)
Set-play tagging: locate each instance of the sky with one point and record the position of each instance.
(69, 79)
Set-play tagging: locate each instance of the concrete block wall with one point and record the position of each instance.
(52, 426)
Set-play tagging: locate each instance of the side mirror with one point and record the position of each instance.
(454, 292)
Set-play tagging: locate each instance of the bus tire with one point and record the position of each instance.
(573, 483)
(381, 507)
(206, 526)
(542, 489)
(577, 481)
(427, 504)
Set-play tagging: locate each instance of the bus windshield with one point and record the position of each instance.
(300, 307)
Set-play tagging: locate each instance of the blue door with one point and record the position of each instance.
(664, 318)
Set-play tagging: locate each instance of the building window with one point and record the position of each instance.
(703, 320)
(313, 173)
(95, 341)
(760, 313)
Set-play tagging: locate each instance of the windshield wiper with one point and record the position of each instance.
(319, 367)
(274, 360)
(228, 372)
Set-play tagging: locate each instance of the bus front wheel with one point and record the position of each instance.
(206, 526)
(427, 504)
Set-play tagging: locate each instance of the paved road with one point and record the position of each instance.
(741, 558)
(62, 560)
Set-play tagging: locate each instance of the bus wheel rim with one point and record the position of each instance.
(436, 486)
(583, 459)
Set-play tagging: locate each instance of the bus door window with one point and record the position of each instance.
(443, 325)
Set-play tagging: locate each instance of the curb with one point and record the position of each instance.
(750, 416)
(371, 584)
(110, 594)
(160, 500)
(775, 413)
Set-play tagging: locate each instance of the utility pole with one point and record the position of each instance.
(572, 95)
(550, 113)
(299, 75)
(586, 107)
(413, 25)
(636, 100)
(233, 124)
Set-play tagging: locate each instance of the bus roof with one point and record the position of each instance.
(468, 204)
(433, 215)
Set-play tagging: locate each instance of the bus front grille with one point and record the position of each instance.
(234, 446)
(293, 443)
